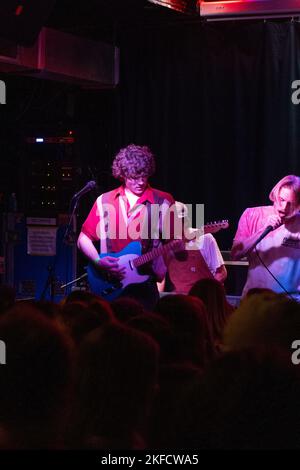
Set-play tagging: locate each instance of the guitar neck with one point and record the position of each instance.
(155, 253)
(164, 249)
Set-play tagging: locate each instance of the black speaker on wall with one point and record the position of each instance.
(22, 20)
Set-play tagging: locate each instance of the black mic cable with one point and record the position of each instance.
(275, 279)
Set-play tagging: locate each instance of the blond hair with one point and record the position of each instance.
(290, 181)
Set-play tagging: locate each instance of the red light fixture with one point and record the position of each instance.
(19, 10)
(183, 6)
(234, 9)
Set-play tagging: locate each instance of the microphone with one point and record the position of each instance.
(88, 187)
(267, 230)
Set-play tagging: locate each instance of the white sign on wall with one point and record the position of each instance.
(41, 241)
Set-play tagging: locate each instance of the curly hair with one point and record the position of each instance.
(133, 161)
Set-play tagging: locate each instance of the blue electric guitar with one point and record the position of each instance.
(131, 258)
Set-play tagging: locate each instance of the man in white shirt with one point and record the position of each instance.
(203, 260)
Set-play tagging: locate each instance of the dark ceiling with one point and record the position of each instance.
(103, 19)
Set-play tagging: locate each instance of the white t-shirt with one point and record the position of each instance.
(184, 274)
(210, 251)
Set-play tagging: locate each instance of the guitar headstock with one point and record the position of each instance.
(213, 227)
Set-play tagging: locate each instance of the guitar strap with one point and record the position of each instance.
(154, 238)
(150, 242)
(147, 243)
(105, 241)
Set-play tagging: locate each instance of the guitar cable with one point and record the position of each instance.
(275, 279)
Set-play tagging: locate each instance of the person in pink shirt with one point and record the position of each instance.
(274, 262)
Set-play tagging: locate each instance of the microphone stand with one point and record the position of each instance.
(68, 237)
(50, 282)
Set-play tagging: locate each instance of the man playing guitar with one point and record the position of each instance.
(124, 215)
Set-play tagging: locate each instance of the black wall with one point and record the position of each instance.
(213, 101)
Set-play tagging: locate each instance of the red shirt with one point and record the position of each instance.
(125, 224)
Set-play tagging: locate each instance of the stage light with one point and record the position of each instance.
(244, 9)
(183, 6)
(39, 140)
(19, 10)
